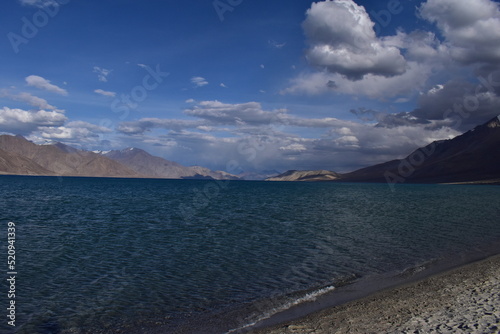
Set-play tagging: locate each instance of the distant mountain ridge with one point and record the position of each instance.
(19, 156)
(297, 175)
(58, 159)
(473, 157)
(146, 164)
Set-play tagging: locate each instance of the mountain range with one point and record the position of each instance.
(471, 157)
(146, 164)
(18, 156)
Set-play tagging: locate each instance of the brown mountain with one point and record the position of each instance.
(57, 159)
(19, 156)
(11, 163)
(300, 175)
(471, 157)
(144, 163)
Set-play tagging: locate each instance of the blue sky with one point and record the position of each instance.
(260, 85)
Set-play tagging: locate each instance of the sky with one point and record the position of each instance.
(249, 86)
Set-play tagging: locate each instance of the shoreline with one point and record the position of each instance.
(465, 299)
(489, 182)
(304, 311)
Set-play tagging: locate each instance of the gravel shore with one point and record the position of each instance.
(463, 300)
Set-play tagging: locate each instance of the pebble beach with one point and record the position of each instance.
(462, 300)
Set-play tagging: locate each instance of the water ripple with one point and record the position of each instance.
(100, 252)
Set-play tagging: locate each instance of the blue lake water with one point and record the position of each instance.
(151, 256)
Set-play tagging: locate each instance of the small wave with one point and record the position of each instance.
(309, 297)
(409, 272)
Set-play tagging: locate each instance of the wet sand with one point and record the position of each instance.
(462, 300)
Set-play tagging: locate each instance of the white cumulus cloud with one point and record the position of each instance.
(471, 28)
(78, 134)
(342, 40)
(18, 121)
(42, 83)
(27, 98)
(235, 114)
(294, 148)
(105, 93)
(199, 81)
